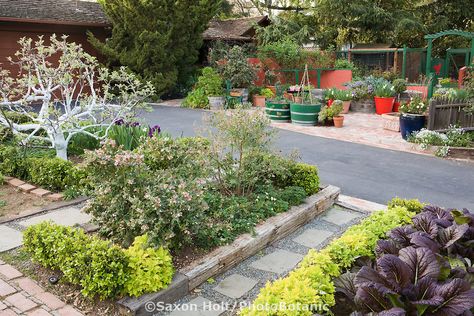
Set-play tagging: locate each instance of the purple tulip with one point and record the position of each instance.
(119, 122)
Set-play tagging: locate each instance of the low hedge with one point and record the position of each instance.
(310, 288)
(99, 267)
(39, 167)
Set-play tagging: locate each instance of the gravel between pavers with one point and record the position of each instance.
(206, 290)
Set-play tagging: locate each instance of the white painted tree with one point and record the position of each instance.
(72, 94)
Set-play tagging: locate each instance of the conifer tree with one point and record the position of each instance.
(157, 39)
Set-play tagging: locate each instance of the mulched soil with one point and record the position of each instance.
(14, 201)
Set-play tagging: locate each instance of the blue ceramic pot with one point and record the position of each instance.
(410, 123)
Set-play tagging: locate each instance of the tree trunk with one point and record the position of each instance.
(60, 145)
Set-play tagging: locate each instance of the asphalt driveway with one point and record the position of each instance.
(361, 171)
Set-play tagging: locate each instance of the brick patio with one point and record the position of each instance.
(361, 128)
(20, 295)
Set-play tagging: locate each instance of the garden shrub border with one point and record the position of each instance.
(312, 283)
(225, 257)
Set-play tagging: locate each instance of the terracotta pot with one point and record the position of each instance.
(298, 99)
(259, 100)
(338, 121)
(346, 106)
(288, 96)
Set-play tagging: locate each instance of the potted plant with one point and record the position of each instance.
(400, 86)
(412, 117)
(270, 79)
(346, 97)
(362, 93)
(259, 99)
(384, 98)
(238, 71)
(305, 112)
(278, 109)
(208, 92)
(330, 114)
(330, 95)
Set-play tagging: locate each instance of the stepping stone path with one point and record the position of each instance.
(20, 295)
(240, 285)
(11, 235)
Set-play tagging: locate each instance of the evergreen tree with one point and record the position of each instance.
(157, 39)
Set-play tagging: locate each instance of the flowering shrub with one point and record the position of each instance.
(129, 197)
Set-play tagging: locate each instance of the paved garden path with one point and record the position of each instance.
(20, 295)
(362, 171)
(11, 232)
(240, 285)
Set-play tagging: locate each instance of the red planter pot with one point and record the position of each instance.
(396, 105)
(383, 105)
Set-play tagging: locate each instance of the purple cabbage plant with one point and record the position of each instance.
(422, 269)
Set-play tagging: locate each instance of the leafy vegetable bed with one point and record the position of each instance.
(409, 260)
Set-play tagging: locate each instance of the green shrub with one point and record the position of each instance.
(98, 266)
(13, 162)
(184, 155)
(150, 269)
(209, 84)
(305, 176)
(413, 205)
(310, 285)
(49, 173)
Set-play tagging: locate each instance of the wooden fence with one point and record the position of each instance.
(442, 114)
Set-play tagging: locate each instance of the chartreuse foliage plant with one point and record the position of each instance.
(151, 269)
(99, 267)
(310, 288)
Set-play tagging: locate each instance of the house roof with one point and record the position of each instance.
(241, 29)
(71, 12)
(372, 46)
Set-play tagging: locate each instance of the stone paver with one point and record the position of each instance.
(29, 286)
(9, 273)
(38, 312)
(6, 289)
(235, 286)
(27, 187)
(41, 192)
(66, 216)
(8, 312)
(21, 302)
(339, 217)
(16, 182)
(198, 307)
(312, 238)
(9, 238)
(278, 261)
(50, 300)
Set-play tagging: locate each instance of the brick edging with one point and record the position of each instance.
(225, 257)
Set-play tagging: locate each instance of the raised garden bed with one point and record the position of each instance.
(225, 257)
